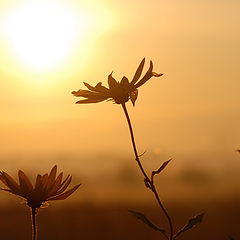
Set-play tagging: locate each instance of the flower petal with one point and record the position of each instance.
(51, 178)
(133, 96)
(25, 184)
(8, 190)
(44, 182)
(58, 181)
(14, 187)
(64, 195)
(38, 182)
(3, 179)
(92, 97)
(119, 91)
(157, 74)
(112, 83)
(146, 77)
(138, 72)
(90, 101)
(101, 88)
(53, 173)
(97, 88)
(65, 180)
(90, 87)
(64, 186)
(89, 94)
(84, 93)
(125, 81)
(57, 185)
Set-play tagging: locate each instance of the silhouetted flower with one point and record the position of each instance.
(120, 92)
(47, 187)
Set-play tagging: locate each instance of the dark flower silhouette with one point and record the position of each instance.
(119, 92)
(47, 187)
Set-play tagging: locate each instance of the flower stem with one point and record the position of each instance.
(149, 184)
(34, 225)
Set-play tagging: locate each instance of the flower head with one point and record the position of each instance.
(119, 92)
(47, 187)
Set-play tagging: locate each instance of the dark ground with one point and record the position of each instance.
(112, 221)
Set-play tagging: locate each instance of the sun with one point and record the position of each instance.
(41, 33)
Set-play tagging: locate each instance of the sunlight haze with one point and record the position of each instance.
(191, 113)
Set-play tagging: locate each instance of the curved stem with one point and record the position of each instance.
(34, 225)
(133, 143)
(148, 182)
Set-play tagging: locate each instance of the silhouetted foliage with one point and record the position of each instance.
(191, 223)
(145, 220)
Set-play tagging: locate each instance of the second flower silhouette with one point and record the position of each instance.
(47, 188)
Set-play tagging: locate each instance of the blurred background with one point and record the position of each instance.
(191, 114)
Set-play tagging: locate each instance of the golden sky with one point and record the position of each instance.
(48, 48)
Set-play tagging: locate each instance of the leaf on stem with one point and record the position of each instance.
(161, 168)
(145, 220)
(191, 223)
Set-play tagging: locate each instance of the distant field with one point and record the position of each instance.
(113, 222)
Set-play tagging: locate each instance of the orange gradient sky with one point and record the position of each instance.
(192, 113)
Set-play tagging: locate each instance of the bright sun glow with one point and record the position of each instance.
(42, 33)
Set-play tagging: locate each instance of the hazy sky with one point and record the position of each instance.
(192, 113)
